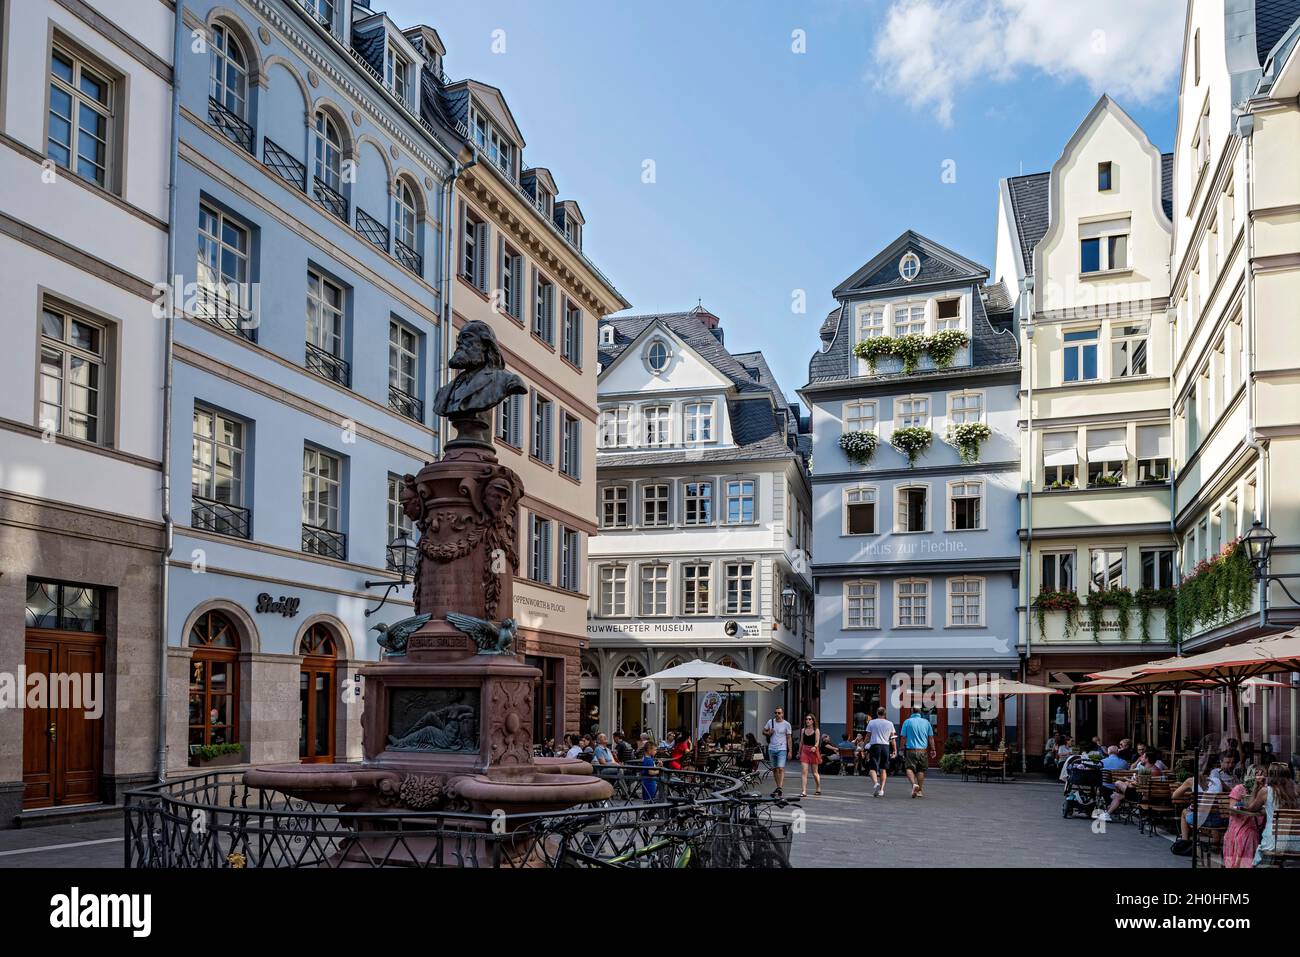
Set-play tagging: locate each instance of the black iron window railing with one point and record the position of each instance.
(408, 257)
(314, 11)
(329, 366)
(234, 127)
(220, 517)
(372, 229)
(324, 541)
(219, 305)
(330, 198)
(284, 164)
(403, 403)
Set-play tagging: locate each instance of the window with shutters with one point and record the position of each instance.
(510, 421)
(543, 429)
(512, 282)
(1153, 453)
(861, 604)
(697, 503)
(571, 337)
(570, 559)
(654, 590)
(860, 511)
(474, 250)
(613, 506)
(696, 589)
(539, 550)
(612, 591)
(543, 308)
(571, 451)
(655, 506)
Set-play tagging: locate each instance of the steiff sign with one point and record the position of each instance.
(266, 605)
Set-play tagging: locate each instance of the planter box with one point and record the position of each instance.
(221, 761)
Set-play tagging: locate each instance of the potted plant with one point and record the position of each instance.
(872, 350)
(1066, 601)
(859, 446)
(966, 439)
(943, 345)
(216, 755)
(911, 441)
(1108, 480)
(1059, 484)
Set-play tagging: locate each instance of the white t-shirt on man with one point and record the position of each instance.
(881, 730)
(781, 734)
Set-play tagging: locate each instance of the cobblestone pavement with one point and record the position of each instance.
(96, 843)
(961, 824)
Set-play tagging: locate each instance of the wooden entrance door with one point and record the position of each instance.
(938, 717)
(62, 746)
(316, 695)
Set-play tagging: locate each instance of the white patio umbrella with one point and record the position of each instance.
(700, 675)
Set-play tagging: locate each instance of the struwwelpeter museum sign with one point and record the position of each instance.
(675, 629)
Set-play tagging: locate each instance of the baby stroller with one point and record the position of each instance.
(1083, 790)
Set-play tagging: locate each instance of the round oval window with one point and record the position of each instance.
(909, 267)
(657, 357)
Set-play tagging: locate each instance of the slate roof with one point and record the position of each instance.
(997, 299)
(755, 411)
(1273, 18)
(370, 44)
(1029, 204)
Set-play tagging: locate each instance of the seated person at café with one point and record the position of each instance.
(1207, 780)
(1126, 750)
(830, 756)
(1148, 759)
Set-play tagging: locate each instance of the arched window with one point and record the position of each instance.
(588, 670)
(329, 152)
(404, 216)
(630, 669)
(229, 77)
(728, 662)
(214, 682)
(319, 649)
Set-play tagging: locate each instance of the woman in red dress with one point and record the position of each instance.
(681, 749)
(809, 755)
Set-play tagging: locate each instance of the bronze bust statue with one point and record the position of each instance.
(480, 386)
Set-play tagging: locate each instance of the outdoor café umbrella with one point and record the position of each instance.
(1112, 682)
(1229, 667)
(1005, 688)
(709, 676)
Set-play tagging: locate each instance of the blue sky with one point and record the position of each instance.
(778, 171)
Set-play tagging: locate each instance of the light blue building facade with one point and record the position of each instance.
(314, 172)
(915, 564)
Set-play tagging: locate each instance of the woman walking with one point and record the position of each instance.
(809, 756)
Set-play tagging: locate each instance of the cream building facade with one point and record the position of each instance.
(1087, 244)
(520, 267)
(1235, 289)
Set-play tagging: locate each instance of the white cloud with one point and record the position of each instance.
(928, 50)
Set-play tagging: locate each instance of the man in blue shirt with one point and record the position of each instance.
(919, 738)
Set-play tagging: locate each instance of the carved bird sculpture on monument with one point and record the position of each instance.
(489, 638)
(392, 638)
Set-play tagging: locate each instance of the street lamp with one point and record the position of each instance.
(788, 595)
(1259, 543)
(399, 554)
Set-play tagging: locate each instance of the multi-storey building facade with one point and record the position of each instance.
(703, 508)
(313, 173)
(1088, 244)
(1235, 284)
(916, 559)
(84, 153)
(519, 267)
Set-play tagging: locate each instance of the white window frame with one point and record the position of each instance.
(962, 416)
(326, 318)
(662, 505)
(1156, 551)
(60, 414)
(543, 428)
(1057, 569)
(206, 487)
(867, 597)
(616, 424)
(966, 581)
(906, 415)
(611, 499)
(221, 295)
(735, 489)
(327, 152)
(688, 499)
(734, 574)
(541, 545)
(658, 576)
(953, 497)
(898, 508)
(611, 591)
(904, 320)
(657, 421)
(698, 421)
(910, 262)
(955, 323)
(510, 421)
(570, 445)
(1108, 551)
(543, 308)
(403, 357)
(697, 577)
(570, 559)
(855, 496)
(78, 99)
(924, 606)
(322, 498)
(861, 415)
(228, 71)
(1128, 335)
(658, 346)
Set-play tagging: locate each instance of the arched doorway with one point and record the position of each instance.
(319, 651)
(629, 712)
(214, 684)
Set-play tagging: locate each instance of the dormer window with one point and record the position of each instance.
(657, 356)
(397, 74)
(573, 232)
(909, 267)
(490, 140)
(606, 335)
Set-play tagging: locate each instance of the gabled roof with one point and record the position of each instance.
(689, 329)
(494, 101)
(530, 177)
(939, 264)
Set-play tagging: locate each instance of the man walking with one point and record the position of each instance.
(883, 747)
(778, 733)
(918, 739)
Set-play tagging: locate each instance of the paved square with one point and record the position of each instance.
(961, 824)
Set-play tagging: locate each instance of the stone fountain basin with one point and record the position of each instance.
(349, 785)
(532, 792)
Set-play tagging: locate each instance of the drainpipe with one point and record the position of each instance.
(1246, 129)
(1027, 298)
(178, 48)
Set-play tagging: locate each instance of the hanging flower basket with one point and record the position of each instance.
(1148, 598)
(942, 348)
(966, 438)
(1066, 601)
(873, 349)
(1120, 599)
(910, 349)
(911, 442)
(859, 446)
